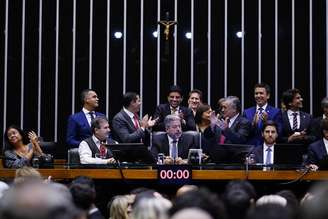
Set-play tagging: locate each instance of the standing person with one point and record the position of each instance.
(195, 99)
(296, 123)
(78, 126)
(19, 148)
(315, 126)
(126, 125)
(173, 107)
(95, 145)
(262, 112)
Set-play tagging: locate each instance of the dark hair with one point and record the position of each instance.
(175, 88)
(84, 94)
(269, 211)
(288, 96)
(263, 85)
(203, 199)
(243, 185)
(95, 123)
(200, 94)
(269, 123)
(199, 112)
(128, 98)
(84, 180)
(237, 202)
(324, 102)
(8, 145)
(83, 195)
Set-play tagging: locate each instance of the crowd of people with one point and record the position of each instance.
(29, 196)
(261, 125)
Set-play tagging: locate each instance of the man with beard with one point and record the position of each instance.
(265, 153)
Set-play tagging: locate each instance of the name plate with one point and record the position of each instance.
(174, 174)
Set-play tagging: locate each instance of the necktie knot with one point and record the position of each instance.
(260, 110)
(294, 114)
(92, 115)
(174, 110)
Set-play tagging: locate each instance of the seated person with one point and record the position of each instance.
(92, 150)
(19, 148)
(78, 126)
(296, 123)
(126, 125)
(315, 126)
(206, 125)
(195, 100)
(318, 150)
(265, 153)
(173, 107)
(173, 144)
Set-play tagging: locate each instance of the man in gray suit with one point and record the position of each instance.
(174, 144)
(127, 128)
(235, 127)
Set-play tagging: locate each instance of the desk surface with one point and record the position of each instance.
(151, 174)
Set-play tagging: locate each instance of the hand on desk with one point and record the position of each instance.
(179, 160)
(111, 161)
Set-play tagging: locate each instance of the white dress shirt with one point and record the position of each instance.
(325, 141)
(291, 118)
(131, 115)
(177, 110)
(86, 153)
(263, 107)
(87, 115)
(265, 152)
(232, 120)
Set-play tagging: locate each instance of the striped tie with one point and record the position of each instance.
(294, 121)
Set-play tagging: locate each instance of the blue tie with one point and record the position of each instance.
(174, 149)
(260, 122)
(268, 157)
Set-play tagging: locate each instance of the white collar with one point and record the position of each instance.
(263, 107)
(130, 114)
(290, 112)
(265, 147)
(86, 111)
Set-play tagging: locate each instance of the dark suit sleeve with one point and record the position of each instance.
(190, 121)
(120, 127)
(278, 120)
(239, 136)
(160, 122)
(312, 155)
(71, 133)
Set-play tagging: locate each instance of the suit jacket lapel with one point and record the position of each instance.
(323, 149)
(286, 123)
(302, 120)
(128, 119)
(166, 145)
(233, 126)
(85, 120)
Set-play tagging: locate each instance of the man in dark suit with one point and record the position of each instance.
(173, 144)
(318, 150)
(126, 125)
(78, 126)
(262, 112)
(315, 126)
(235, 128)
(296, 123)
(265, 153)
(173, 107)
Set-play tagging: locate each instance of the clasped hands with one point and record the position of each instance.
(147, 122)
(221, 123)
(259, 117)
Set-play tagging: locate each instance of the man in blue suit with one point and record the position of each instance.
(318, 150)
(262, 112)
(79, 124)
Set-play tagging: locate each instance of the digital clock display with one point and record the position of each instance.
(174, 174)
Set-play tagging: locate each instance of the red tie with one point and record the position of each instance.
(102, 151)
(136, 121)
(222, 139)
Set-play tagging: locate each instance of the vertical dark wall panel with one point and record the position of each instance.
(2, 55)
(200, 47)
(268, 46)
(217, 52)
(48, 69)
(14, 62)
(65, 69)
(251, 49)
(150, 46)
(31, 65)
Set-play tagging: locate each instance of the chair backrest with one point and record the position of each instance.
(73, 157)
(48, 147)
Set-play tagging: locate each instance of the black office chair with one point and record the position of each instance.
(73, 158)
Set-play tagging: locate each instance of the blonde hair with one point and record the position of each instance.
(24, 173)
(119, 207)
